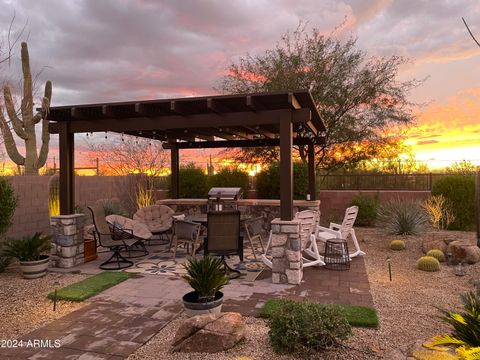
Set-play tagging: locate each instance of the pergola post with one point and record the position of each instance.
(311, 171)
(67, 169)
(174, 167)
(286, 168)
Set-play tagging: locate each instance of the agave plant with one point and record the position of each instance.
(466, 328)
(29, 248)
(402, 217)
(206, 276)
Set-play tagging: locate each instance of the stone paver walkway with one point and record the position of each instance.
(124, 317)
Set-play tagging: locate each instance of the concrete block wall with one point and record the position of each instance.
(334, 202)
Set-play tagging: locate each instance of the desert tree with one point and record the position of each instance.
(358, 97)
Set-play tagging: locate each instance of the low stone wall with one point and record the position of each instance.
(267, 209)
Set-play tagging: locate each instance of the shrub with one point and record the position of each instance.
(402, 217)
(192, 183)
(397, 245)
(267, 182)
(459, 190)
(465, 326)
(437, 254)
(8, 204)
(230, 178)
(112, 207)
(428, 263)
(54, 195)
(439, 211)
(299, 327)
(4, 262)
(367, 209)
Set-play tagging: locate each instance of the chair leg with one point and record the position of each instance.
(118, 259)
(358, 252)
(175, 245)
(253, 248)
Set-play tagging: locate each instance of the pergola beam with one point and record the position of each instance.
(160, 123)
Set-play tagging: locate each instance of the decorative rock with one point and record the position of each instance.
(293, 276)
(464, 251)
(279, 239)
(210, 333)
(423, 351)
(278, 252)
(293, 255)
(430, 244)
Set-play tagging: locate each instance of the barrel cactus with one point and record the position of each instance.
(437, 254)
(428, 263)
(397, 245)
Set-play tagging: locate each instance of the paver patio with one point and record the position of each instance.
(121, 319)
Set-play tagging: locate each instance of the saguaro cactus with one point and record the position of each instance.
(23, 122)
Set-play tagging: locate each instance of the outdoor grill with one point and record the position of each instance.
(224, 198)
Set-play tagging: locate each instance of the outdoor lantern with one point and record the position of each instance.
(56, 284)
(460, 269)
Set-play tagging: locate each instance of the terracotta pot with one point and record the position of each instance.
(35, 269)
(193, 307)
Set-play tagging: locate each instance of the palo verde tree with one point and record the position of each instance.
(23, 121)
(358, 97)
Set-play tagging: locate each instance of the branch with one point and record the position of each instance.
(9, 142)
(473, 37)
(17, 124)
(43, 155)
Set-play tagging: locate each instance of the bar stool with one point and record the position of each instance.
(336, 255)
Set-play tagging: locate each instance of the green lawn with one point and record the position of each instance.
(359, 316)
(90, 286)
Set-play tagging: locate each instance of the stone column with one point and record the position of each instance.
(287, 266)
(67, 240)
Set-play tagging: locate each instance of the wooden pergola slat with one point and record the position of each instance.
(247, 120)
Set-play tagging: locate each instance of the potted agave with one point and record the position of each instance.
(29, 251)
(206, 276)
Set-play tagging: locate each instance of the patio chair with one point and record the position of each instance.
(105, 238)
(308, 223)
(343, 231)
(253, 230)
(158, 218)
(265, 257)
(187, 233)
(125, 227)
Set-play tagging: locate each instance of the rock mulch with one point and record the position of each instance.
(24, 305)
(406, 307)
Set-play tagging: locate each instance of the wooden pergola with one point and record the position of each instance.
(247, 120)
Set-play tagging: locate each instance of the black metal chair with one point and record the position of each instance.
(223, 235)
(104, 236)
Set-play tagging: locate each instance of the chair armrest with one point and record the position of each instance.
(321, 229)
(334, 226)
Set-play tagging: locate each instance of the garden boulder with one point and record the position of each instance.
(210, 333)
(464, 251)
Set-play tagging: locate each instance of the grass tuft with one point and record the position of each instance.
(358, 316)
(90, 286)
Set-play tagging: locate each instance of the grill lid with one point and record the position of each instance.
(227, 193)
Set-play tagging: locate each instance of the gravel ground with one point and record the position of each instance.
(24, 306)
(406, 307)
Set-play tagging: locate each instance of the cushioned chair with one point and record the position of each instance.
(158, 218)
(107, 239)
(122, 226)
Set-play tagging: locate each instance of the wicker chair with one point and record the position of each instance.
(104, 236)
(158, 218)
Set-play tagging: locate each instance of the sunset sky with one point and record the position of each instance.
(118, 50)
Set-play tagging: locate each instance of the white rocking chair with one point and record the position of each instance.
(336, 231)
(308, 223)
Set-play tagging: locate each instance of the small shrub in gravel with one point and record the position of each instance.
(367, 209)
(305, 327)
(402, 217)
